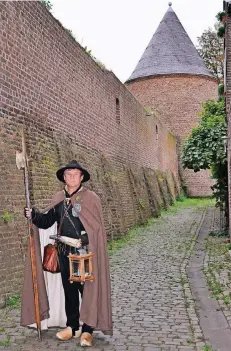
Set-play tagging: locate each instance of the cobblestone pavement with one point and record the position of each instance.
(153, 309)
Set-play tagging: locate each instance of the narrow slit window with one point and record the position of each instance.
(157, 135)
(117, 111)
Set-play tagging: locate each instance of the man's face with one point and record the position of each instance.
(73, 177)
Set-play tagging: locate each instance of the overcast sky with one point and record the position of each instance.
(118, 31)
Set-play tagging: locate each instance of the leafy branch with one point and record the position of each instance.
(205, 148)
(47, 4)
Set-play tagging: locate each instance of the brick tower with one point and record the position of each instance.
(172, 78)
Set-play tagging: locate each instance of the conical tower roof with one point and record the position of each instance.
(170, 51)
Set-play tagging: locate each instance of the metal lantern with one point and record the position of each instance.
(81, 267)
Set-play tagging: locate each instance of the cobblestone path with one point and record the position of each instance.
(153, 308)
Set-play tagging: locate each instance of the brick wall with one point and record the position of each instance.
(228, 100)
(71, 108)
(178, 100)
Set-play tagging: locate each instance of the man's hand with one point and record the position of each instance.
(28, 213)
(78, 243)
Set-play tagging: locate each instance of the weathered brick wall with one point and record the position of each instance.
(178, 99)
(72, 109)
(228, 102)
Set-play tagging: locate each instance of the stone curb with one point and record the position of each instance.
(190, 305)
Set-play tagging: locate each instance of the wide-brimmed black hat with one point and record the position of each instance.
(72, 165)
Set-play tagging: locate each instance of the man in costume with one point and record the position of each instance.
(80, 213)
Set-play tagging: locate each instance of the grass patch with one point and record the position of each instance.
(195, 202)
(182, 203)
(219, 233)
(6, 342)
(181, 198)
(13, 301)
(206, 348)
(217, 272)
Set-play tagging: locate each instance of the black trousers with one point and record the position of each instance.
(71, 292)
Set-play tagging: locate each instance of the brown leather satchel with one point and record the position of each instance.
(50, 257)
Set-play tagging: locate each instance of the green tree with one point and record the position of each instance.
(205, 148)
(211, 49)
(47, 4)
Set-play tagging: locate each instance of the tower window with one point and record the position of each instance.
(117, 111)
(157, 136)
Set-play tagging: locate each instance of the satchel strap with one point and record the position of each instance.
(73, 224)
(61, 222)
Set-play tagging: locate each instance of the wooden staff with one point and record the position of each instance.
(22, 163)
